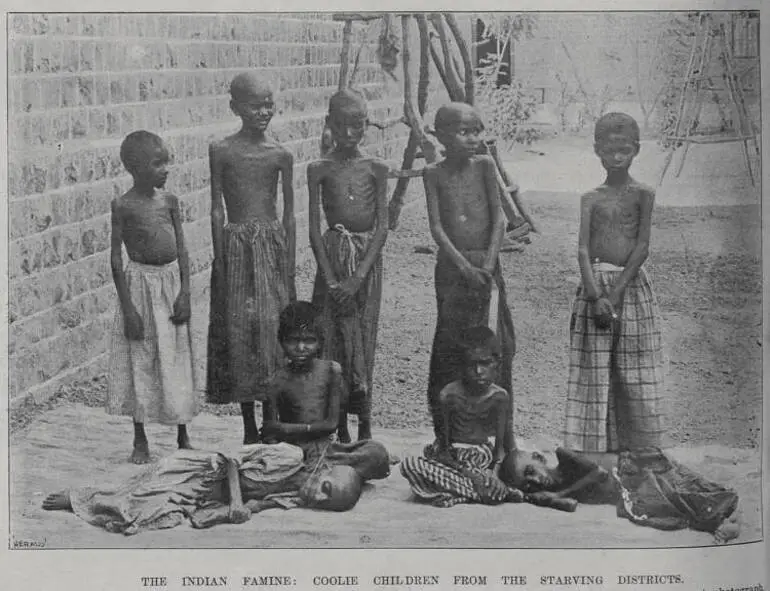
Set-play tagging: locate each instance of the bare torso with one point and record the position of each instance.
(473, 419)
(615, 219)
(464, 206)
(147, 227)
(249, 177)
(349, 191)
(304, 397)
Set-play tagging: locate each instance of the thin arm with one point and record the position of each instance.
(380, 170)
(116, 260)
(590, 286)
(314, 222)
(181, 247)
(217, 207)
(642, 249)
(434, 220)
(289, 221)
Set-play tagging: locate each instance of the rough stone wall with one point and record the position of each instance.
(78, 84)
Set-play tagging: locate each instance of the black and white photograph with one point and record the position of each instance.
(384, 280)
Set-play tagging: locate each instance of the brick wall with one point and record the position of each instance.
(78, 83)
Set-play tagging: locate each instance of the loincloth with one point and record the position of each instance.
(350, 336)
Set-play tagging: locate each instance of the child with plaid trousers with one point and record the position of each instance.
(614, 395)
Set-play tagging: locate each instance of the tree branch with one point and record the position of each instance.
(464, 54)
(455, 88)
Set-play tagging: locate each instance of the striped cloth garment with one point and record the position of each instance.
(438, 484)
(243, 347)
(615, 388)
(350, 336)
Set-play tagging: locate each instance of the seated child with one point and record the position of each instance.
(211, 488)
(151, 368)
(463, 466)
(303, 402)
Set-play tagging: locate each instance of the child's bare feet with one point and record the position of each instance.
(59, 501)
(141, 453)
(729, 530)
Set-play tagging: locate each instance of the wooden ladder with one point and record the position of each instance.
(710, 36)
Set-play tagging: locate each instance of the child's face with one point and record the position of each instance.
(255, 109)
(348, 127)
(616, 151)
(480, 368)
(153, 166)
(301, 346)
(531, 472)
(463, 138)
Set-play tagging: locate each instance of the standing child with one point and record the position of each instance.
(348, 285)
(254, 254)
(616, 360)
(151, 367)
(467, 223)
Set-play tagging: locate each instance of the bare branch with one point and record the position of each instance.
(464, 54)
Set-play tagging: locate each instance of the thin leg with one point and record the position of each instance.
(250, 431)
(141, 453)
(182, 438)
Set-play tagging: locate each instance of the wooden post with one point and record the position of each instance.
(464, 54)
(454, 87)
(397, 199)
(347, 34)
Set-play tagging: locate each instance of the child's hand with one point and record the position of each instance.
(133, 325)
(604, 313)
(341, 298)
(350, 286)
(490, 489)
(477, 277)
(239, 514)
(181, 308)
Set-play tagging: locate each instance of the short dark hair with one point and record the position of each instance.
(298, 316)
(478, 337)
(616, 123)
(346, 99)
(134, 148)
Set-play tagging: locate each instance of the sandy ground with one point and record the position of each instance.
(705, 265)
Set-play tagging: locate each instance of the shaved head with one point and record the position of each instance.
(349, 102)
(450, 116)
(332, 488)
(616, 123)
(247, 85)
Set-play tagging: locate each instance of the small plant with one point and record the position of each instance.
(506, 107)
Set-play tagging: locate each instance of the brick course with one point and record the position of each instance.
(78, 83)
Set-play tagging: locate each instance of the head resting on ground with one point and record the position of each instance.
(526, 471)
(616, 124)
(332, 488)
(138, 148)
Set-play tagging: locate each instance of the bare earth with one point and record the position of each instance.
(705, 266)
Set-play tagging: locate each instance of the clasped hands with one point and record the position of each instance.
(604, 311)
(343, 293)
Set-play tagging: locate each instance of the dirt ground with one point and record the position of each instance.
(705, 266)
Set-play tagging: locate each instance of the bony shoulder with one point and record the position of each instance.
(334, 367)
